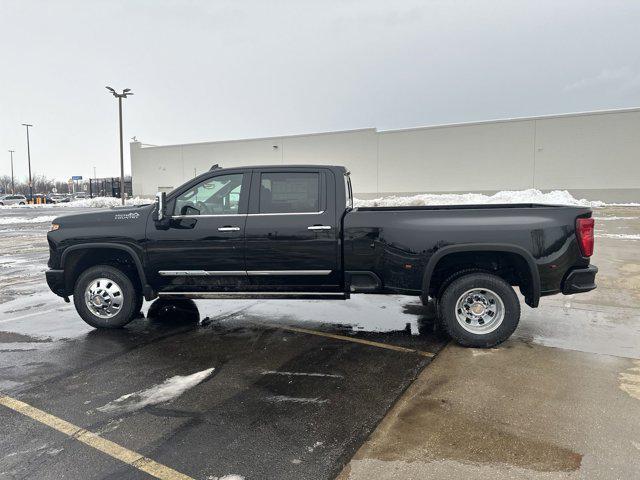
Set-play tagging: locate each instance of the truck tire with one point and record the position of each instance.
(105, 297)
(479, 310)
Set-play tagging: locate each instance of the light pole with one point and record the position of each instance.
(126, 92)
(13, 187)
(29, 160)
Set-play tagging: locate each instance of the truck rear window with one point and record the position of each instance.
(295, 192)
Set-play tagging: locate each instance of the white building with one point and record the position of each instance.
(595, 155)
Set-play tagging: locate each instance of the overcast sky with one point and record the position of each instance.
(215, 70)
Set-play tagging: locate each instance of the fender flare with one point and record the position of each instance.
(486, 247)
(147, 291)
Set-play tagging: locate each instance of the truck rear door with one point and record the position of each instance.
(291, 235)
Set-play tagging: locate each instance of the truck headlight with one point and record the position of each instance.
(54, 226)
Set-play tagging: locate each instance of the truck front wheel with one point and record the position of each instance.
(105, 297)
(479, 310)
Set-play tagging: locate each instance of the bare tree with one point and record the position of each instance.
(5, 184)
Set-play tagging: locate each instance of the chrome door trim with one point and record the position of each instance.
(209, 216)
(287, 272)
(223, 273)
(319, 227)
(228, 229)
(291, 213)
(201, 273)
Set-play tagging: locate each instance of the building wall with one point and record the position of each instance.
(594, 155)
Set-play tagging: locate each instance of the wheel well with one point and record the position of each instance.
(78, 261)
(511, 267)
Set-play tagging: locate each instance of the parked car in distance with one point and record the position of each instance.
(13, 200)
(58, 198)
(292, 232)
(80, 195)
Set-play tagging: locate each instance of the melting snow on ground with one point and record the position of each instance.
(605, 219)
(18, 220)
(168, 390)
(532, 195)
(95, 202)
(370, 312)
(621, 236)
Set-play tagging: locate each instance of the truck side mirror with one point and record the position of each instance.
(160, 211)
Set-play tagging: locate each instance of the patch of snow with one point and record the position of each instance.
(532, 195)
(168, 390)
(315, 445)
(284, 398)
(233, 476)
(598, 219)
(621, 236)
(105, 202)
(301, 374)
(95, 202)
(19, 220)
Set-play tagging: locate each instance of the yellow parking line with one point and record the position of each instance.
(112, 449)
(344, 338)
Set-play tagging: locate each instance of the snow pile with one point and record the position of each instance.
(19, 220)
(104, 202)
(532, 195)
(95, 202)
(168, 390)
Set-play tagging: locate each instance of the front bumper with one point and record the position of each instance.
(580, 280)
(55, 280)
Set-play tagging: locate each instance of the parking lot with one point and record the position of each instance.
(317, 389)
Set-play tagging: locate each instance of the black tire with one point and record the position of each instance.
(21, 203)
(447, 310)
(130, 297)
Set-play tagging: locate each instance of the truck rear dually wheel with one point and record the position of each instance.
(479, 310)
(105, 297)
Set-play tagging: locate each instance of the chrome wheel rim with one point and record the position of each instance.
(479, 311)
(104, 298)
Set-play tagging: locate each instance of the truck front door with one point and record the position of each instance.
(203, 248)
(292, 231)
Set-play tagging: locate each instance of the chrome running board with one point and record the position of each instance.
(258, 295)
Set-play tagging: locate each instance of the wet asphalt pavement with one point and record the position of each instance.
(279, 403)
(560, 400)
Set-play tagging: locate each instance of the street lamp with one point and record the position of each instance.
(29, 160)
(13, 188)
(126, 92)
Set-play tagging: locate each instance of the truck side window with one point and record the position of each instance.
(290, 192)
(214, 196)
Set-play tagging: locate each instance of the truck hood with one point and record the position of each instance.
(119, 216)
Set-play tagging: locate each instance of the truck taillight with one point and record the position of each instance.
(584, 232)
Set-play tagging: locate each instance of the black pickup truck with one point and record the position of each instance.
(292, 232)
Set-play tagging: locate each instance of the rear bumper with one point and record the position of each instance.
(580, 280)
(55, 280)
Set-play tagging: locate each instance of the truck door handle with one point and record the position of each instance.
(319, 227)
(228, 228)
